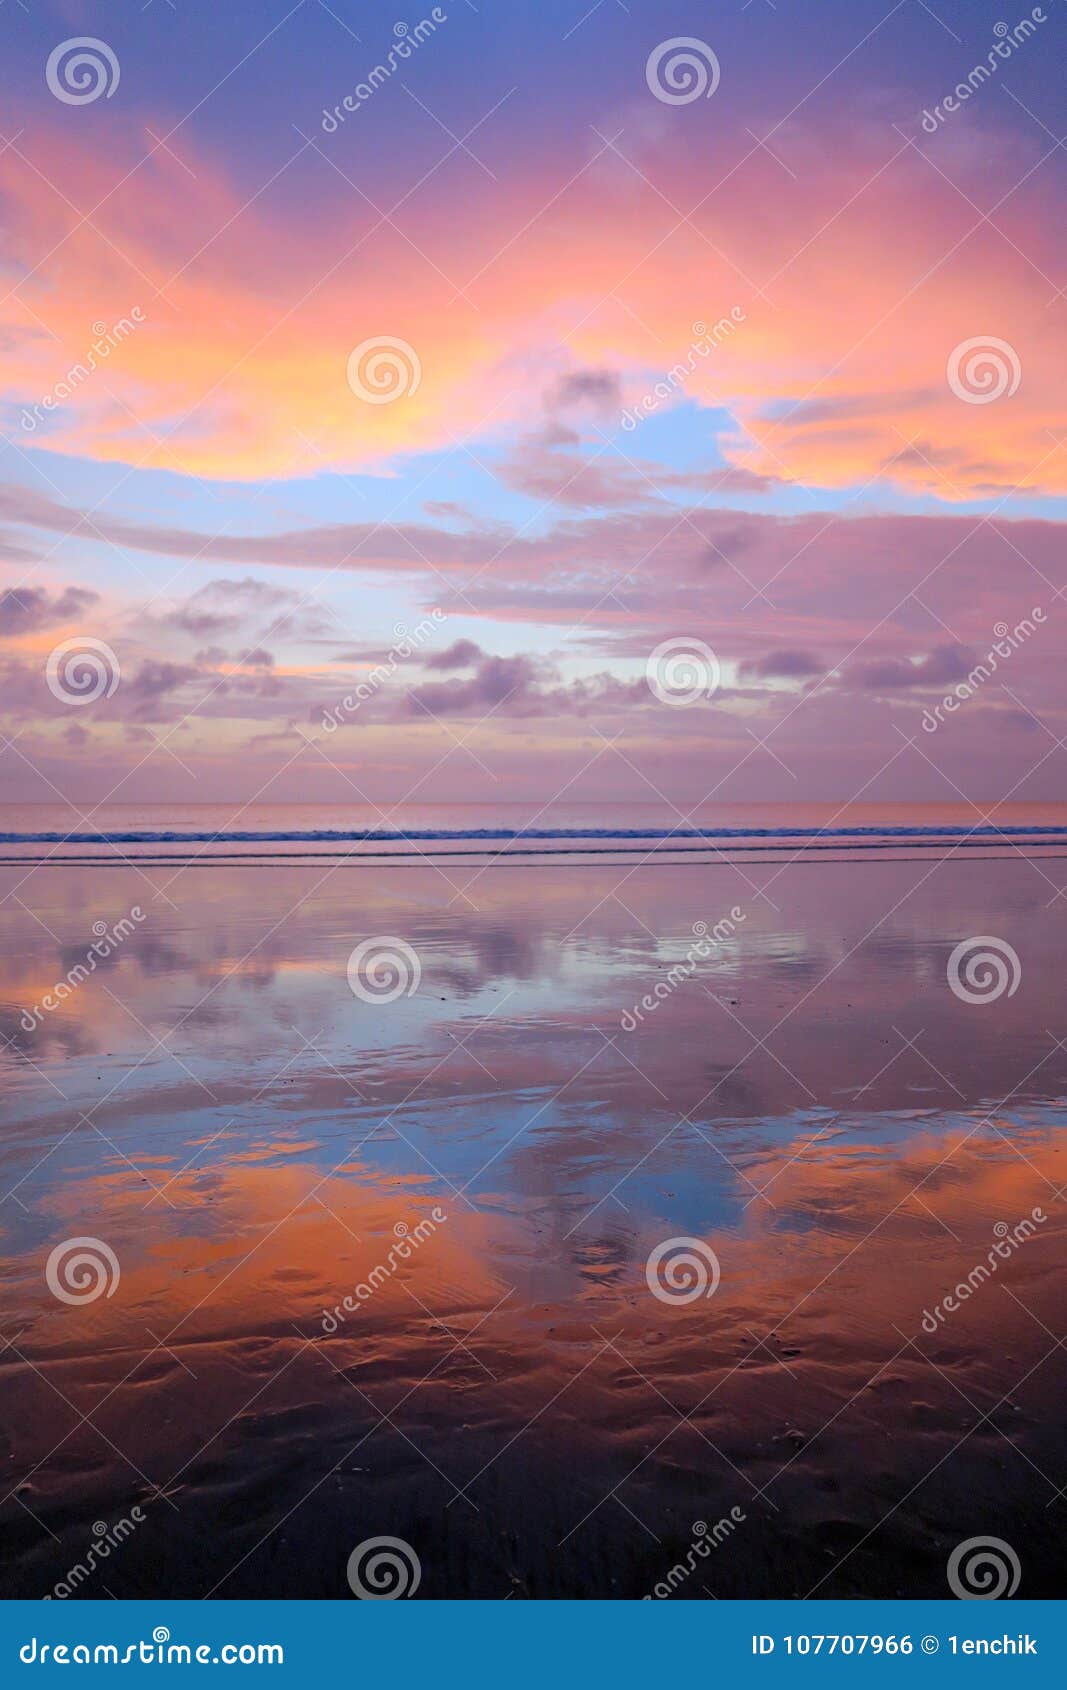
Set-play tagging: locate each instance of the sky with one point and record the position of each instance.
(647, 403)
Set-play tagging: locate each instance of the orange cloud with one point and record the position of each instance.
(853, 286)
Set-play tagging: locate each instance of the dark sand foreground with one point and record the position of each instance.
(808, 1099)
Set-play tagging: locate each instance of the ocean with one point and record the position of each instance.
(259, 831)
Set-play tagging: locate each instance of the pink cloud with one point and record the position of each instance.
(855, 293)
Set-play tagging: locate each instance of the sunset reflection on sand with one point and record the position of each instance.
(254, 1144)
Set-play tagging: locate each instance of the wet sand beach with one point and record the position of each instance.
(758, 1067)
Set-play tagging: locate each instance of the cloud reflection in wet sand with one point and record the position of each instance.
(509, 1397)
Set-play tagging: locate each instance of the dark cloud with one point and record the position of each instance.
(154, 682)
(788, 664)
(548, 465)
(556, 433)
(600, 389)
(497, 679)
(542, 469)
(215, 657)
(228, 606)
(523, 686)
(649, 572)
(546, 472)
(25, 609)
(460, 655)
(943, 666)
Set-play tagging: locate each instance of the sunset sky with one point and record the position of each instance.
(824, 495)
